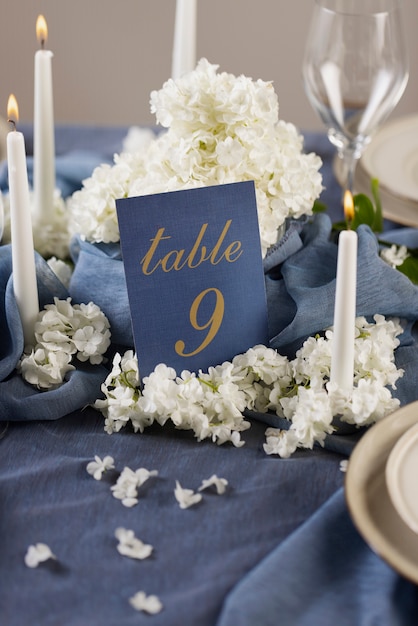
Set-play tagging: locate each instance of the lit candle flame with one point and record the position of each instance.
(12, 110)
(41, 30)
(348, 206)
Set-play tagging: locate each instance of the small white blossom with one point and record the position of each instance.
(186, 497)
(395, 255)
(37, 554)
(127, 484)
(131, 546)
(281, 442)
(344, 465)
(219, 483)
(97, 467)
(149, 604)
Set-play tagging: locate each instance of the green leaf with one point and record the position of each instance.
(378, 217)
(410, 268)
(338, 226)
(319, 207)
(364, 212)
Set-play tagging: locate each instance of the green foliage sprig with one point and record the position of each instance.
(368, 210)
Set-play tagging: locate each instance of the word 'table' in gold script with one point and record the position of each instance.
(178, 259)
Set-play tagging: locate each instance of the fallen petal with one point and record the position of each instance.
(186, 497)
(219, 483)
(150, 604)
(37, 554)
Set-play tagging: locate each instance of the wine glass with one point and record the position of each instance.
(355, 70)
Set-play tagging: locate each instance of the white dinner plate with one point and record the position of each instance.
(368, 499)
(392, 158)
(402, 475)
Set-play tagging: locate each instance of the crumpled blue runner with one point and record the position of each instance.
(323, 573)
(19, 400)
(335, 579)
(300, 285)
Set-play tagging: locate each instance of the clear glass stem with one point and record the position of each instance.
(350, 158)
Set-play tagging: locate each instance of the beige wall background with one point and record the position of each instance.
(110, 54)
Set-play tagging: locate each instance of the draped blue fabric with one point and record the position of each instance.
(278, 548)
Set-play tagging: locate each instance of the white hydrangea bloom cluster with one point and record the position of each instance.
(221, 129)
(64, 330)
(50, 238)
(213, 404)
(315, 402)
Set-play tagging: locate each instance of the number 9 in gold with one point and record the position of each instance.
(213, 324)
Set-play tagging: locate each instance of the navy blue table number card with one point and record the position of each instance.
(194, 275)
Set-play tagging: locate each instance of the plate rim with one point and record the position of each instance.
(390, 129)
(392, 474)
(390, 428)
(396, 209)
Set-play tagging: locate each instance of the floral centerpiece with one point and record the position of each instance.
(220, 129)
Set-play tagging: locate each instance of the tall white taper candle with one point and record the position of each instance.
(342, 359)
(43, 131)
(23, 255)
(184, 47)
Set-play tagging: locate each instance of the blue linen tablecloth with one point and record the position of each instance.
(277, 548)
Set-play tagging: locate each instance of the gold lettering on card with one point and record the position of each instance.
(212, 324)
(155, 258)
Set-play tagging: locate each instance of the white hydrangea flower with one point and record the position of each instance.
(313, 402)
(220, 484)
(221, 129)
(45, 369)
(99, 466)
(61, 331)
(281, 442)
(131, 546)
(186, 497)
(149, 604)
(37, 554)
(61, 269)
(213, 404)
(50, 238)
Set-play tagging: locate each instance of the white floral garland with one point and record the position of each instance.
(221, 129)
(213, 404)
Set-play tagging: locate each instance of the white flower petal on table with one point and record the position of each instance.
(37, 554)
(143, 474)
(219, 483)
(186, 497)
(131, 546)
(344, 465)
(126, 487)
(149, 604)
(97, 467)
